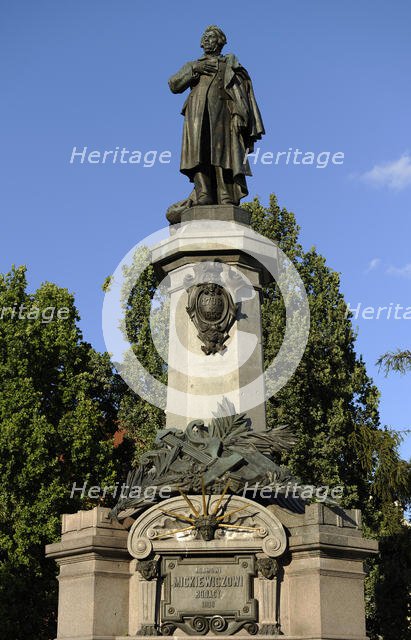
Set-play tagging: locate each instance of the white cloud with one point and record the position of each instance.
(402, 272)
(395, 175)
(373, 264)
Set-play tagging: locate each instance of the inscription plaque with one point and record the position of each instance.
(204, 594)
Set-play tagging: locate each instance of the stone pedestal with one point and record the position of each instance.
(317, 593)
(322, 592)
(196, 566)
(227, 583)
(94, 578)
(196, 381)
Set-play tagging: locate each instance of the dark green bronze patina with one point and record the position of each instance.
(222, 121)
(209, 456)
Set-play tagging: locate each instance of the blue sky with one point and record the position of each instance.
(328, 77)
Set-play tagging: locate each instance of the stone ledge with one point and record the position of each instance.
(225, 212)
(350, 546)
(91, 518)
(237, 636)
(86, 544)
(199, 240)
(321, 514)
(92, 533)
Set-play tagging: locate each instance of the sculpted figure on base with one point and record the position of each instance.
(221, 122)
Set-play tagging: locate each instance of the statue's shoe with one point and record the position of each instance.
(204, 199)
(175, 210)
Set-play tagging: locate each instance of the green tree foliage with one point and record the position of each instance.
(58, 409)
(392, 571)
(138, 418)
(330, 401)
(333, 405)
(399, 360)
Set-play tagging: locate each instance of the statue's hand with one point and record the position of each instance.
(205, 67)
(237, 123)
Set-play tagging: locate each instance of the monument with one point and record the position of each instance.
(228, 552)
(222, 121)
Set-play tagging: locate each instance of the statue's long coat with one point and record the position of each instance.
(208, 136)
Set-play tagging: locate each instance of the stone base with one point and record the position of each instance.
(225, 212)
(210, 637)
(94, 577)
(321, 590)
(238, 637)
(322, 595)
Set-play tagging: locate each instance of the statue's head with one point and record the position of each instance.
(213, 39)
(268, 567)
(207, 526)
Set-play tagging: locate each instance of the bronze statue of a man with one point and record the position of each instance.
(221, 122)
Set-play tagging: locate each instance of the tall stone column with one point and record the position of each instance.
(197, 381)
